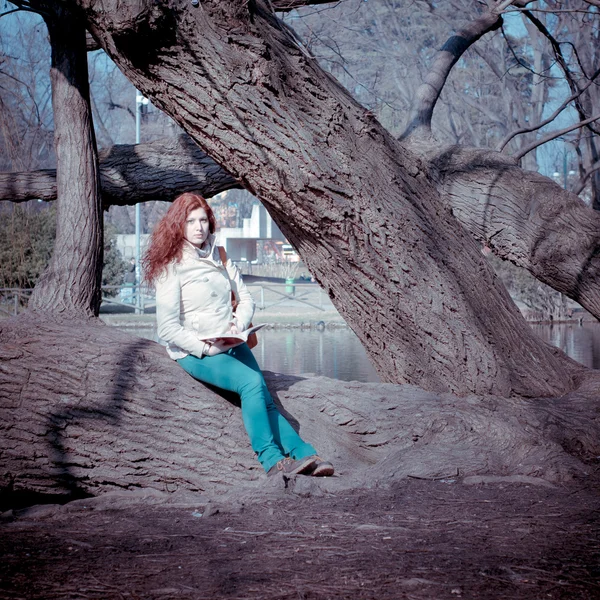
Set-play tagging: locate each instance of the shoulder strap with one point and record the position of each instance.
(223, 256)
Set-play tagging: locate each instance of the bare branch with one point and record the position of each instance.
(130, 174)
(429, 91)
(10, 12)
(287, 5)
(551, 118)
(553, 136)
(525, 218)
(561, 61)
(90, 43)
(583, 181)
(553, 11)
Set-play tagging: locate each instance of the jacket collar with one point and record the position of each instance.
(190, 251)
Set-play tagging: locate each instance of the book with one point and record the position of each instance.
(232, 337)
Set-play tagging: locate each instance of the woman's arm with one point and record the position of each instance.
(168, 300)
(245, 307)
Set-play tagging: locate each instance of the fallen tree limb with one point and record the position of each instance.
(121, 415)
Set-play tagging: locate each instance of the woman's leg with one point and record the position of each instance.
(230, 371)
(283, 433)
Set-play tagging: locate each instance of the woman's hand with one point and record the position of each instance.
(233, 329)
(222, 346)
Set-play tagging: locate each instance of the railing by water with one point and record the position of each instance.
(266, 296)
(141, 300)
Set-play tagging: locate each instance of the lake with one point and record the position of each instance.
(337, 353)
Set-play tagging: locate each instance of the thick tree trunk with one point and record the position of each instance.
(130, 174)
(524, 218)
(71, 283)
(118, 413)
(359, 207)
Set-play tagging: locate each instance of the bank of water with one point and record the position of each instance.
(580, 342)
(338, 354)
(333, 352)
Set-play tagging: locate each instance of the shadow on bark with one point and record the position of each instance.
(59, 452)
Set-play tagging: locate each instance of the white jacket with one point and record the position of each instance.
(193, 300)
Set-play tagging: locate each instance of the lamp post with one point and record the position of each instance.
(566, 156)
(140, 103)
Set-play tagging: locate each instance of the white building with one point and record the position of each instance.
(239, 242)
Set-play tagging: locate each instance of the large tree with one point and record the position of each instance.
(368, 214)
(359, 205)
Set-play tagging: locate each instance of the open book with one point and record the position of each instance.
(232, 337)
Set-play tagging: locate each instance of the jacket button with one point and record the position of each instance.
(205, 279)
(217, 309)
(214, 294)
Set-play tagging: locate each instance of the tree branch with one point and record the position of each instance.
(553, 136)
(582, 182)
(90, 43)
(130, 174)
(429, 91)
(524, 218)
(288, 5)
(562, 62)
(541, 124)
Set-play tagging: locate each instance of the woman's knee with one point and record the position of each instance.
(253, 386)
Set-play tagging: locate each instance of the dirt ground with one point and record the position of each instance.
(418, 539)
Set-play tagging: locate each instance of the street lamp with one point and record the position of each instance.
(141, 106)
(566, 155)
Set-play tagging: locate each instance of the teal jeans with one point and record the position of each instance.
(271, 435)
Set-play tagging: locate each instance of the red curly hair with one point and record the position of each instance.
(166, 242)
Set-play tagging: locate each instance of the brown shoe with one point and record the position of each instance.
(322, 467)
(290, 467)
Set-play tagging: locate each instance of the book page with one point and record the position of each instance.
(232, 337)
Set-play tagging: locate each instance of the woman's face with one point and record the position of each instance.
(196, 227)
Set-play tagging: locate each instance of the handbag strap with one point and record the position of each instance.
(223, 256)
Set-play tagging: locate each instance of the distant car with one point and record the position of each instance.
(289, 254)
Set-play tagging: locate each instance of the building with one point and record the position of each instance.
(241, 243)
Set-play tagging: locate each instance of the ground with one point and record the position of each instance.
(418, 539)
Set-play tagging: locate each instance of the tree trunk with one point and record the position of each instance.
(130, 174)
(117, 413)
(359, 207)
(524, 218)
(71, 283)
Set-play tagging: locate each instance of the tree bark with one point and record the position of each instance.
(428, 93)
(119, 414)
(71, 283)
(21, 186)
(129, 174)
(336, 184)
(524, 218)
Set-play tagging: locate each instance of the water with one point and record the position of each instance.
(581, 343)
(335, 353)
(338, 354)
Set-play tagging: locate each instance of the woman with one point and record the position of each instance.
(193, 301)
